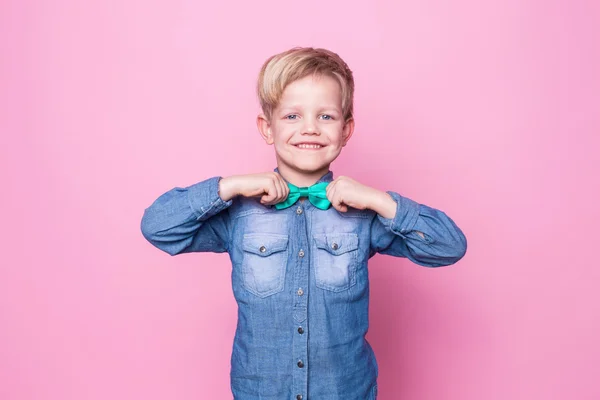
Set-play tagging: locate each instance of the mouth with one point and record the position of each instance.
(308, 146)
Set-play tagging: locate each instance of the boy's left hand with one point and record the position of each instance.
(344, 192)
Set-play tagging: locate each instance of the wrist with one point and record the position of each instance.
(384, 204)
(227, 188)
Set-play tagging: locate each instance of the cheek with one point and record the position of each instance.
(336, 136)
(281, 138)
(283, 132)
(334, 150)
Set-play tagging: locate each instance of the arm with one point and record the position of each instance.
(191, 219)
(405, 228)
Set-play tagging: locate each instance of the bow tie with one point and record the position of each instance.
(316, 195)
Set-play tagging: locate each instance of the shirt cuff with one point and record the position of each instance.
(407, 214)
(205, 200)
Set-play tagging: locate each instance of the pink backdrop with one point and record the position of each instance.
(489, 112)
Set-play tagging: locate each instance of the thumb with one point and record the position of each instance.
(268, 195)
(339, 205)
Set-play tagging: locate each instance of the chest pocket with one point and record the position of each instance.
(335, 260)
(264, 262)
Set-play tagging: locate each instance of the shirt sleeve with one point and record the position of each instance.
(442, 243)
(190, 219)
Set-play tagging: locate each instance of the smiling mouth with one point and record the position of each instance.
(309, 146)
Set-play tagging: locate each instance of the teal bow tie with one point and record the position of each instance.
(316, 195)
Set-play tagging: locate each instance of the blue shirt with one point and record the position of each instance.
(300, 281)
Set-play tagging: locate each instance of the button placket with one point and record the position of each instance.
(300, 351)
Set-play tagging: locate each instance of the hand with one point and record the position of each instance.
(269, 185)
(345, 192)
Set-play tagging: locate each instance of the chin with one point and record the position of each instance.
(306, 165)
(311, 167)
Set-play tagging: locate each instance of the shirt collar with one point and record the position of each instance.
(328, 177)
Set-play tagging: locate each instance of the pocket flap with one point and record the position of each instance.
(264, 244)
(337, 243)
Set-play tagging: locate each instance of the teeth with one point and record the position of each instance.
(309, 146)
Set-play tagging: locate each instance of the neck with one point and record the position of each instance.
(301, 178)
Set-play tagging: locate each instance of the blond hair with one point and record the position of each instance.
(284, 68)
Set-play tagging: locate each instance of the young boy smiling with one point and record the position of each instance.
(299, 240)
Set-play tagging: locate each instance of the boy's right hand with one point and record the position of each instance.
(269, 185)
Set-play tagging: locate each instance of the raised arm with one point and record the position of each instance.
(424, 235)
(190, 219)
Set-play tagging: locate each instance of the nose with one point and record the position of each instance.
(310, 128)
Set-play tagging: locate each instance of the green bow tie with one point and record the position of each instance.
(316, 195)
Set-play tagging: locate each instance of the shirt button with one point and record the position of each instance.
(299, 397)
(335, 246)
(301, 253)
(300, 292)
(299, 210)
(300, 364)
(262, 249)
(300, 330)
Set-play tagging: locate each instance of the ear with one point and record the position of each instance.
(264, 127)
(348, 130)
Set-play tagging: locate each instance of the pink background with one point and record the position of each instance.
(489, 112)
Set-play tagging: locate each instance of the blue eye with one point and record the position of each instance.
(291, 116)
(327, 117)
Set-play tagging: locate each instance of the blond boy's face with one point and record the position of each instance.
(307, 127)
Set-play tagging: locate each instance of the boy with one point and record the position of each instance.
(299, 240)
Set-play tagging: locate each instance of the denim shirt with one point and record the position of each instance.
(299, 277)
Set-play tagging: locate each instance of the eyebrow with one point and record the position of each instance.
(298, 107)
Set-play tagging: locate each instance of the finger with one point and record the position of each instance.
(286, 188)
(280, 185)
(330, 189)
(337, 201)
(270, 193)
(280, 190)
(275, 190)
(339, 204)
(333, 198)
(329, 192)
